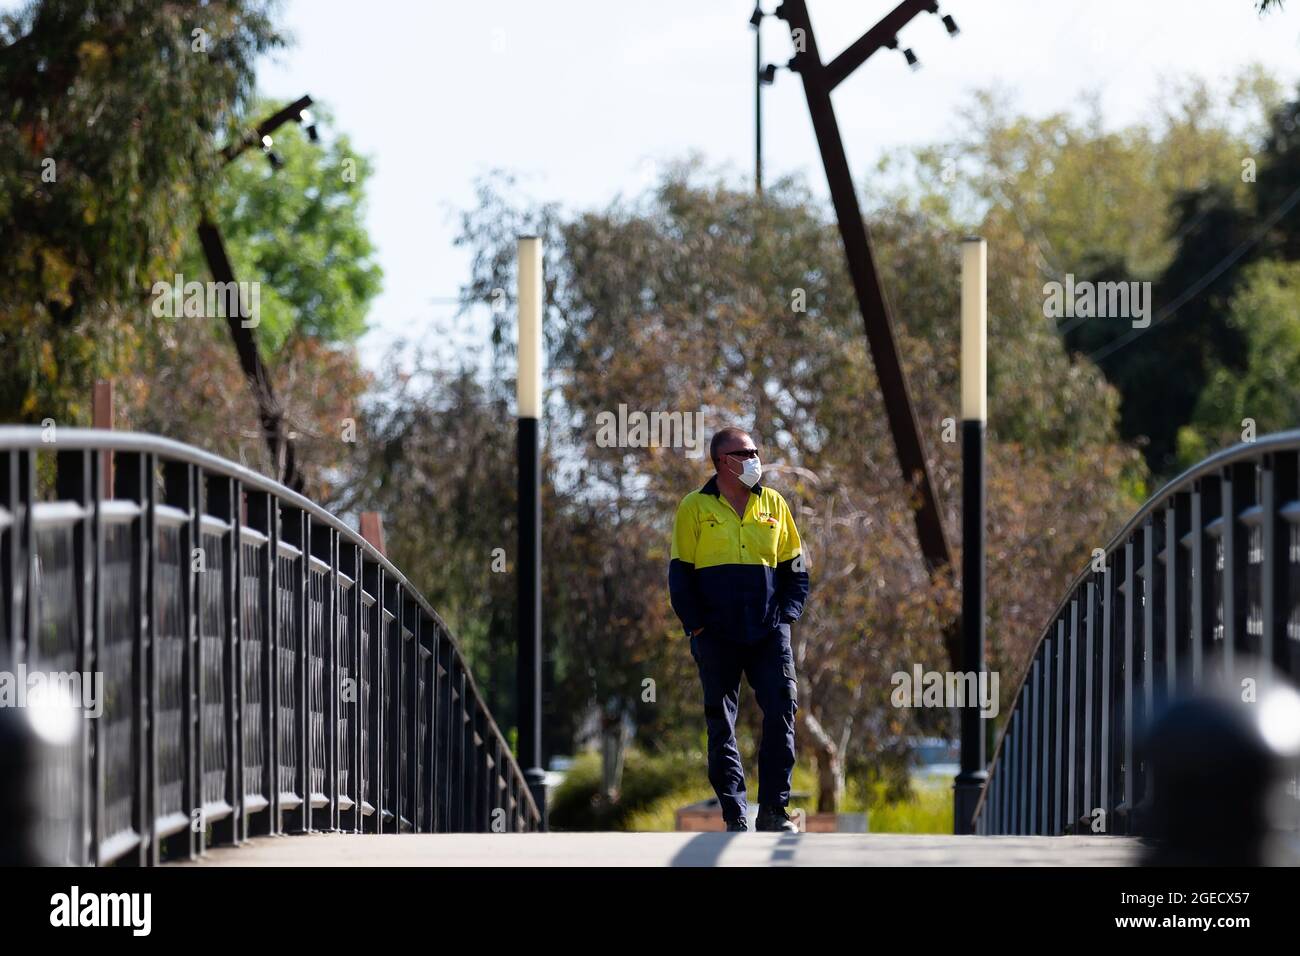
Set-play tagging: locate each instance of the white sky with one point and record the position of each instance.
(582, 99)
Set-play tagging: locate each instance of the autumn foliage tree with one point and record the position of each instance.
(698, 297)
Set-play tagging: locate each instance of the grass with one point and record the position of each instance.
(927, 809)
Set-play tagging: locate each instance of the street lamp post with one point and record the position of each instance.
(758, 108)
(974, 413)
(529, 567)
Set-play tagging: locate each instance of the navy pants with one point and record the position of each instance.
(768, 665)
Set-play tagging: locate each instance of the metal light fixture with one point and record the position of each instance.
(950, 25)
(757, 16)
(912, 61)
(767, 75)
(271, 156)
(308, 122)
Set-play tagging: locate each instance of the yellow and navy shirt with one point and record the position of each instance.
(739, 577)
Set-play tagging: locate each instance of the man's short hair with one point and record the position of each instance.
(721, 435)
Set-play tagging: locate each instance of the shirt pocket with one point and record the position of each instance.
(715, 544)
(761, 539)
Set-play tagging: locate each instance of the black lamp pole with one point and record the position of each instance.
(974, 413)
(530, 520)
(757, 22)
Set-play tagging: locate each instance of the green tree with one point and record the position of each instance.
(700, 297)
(1266, 312)
(299, 230)
(1158, 201)
(106, 149)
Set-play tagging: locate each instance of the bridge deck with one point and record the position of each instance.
(676, 849)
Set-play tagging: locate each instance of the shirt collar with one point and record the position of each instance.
(711, 488)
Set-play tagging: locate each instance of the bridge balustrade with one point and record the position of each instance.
(1206, 573)
(262, 668)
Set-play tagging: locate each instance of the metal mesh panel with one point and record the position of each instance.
(363, 667)
(116, 663)
(1216, 587)
(54, 651)
(388, 668)
(347, 693)
(1292, 658)
(254, 733)
(1255, 568)
(213, 621)
(57, 601)
(169, 678)
(316, 637)
(287, 658)
(403, 730)
(422, 722)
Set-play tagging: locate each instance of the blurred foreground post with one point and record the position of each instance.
(1223, 766)
(529, 570)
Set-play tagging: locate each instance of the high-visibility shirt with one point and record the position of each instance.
(740, 577)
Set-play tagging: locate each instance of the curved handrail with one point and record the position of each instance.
(1242, 453)
(479, 729)
(29, 438)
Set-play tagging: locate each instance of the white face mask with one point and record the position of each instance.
(752, 471)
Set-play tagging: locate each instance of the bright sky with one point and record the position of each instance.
(582, 99)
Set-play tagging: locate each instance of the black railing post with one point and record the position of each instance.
(462, 753)
(1125, 807)
(1106, 703)
(301, 817)
(321, 680)
(1268, 564)
(235, 595)
(1286, 565)
(95, 730)
(262, 521)
(1089, 802)
(179, 493)
(431, 636)
(444, 723)
(410, 659)
(219, 503)
(1072, 697)
(129, 477)
(1035, 766)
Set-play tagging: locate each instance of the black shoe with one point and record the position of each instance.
(737, 826)
(774, 820)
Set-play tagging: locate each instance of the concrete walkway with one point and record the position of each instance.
(674, 849)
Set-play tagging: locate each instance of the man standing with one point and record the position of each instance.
(737, 580)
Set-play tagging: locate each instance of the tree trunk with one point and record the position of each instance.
(830, 768)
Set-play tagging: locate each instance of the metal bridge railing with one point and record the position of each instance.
(263, 668)
(1208, 570)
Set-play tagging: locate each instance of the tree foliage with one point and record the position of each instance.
(697, 296)
(107, 144)
(1160, 201)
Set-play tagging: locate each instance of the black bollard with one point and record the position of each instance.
(1216, 771)
(21, 755)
